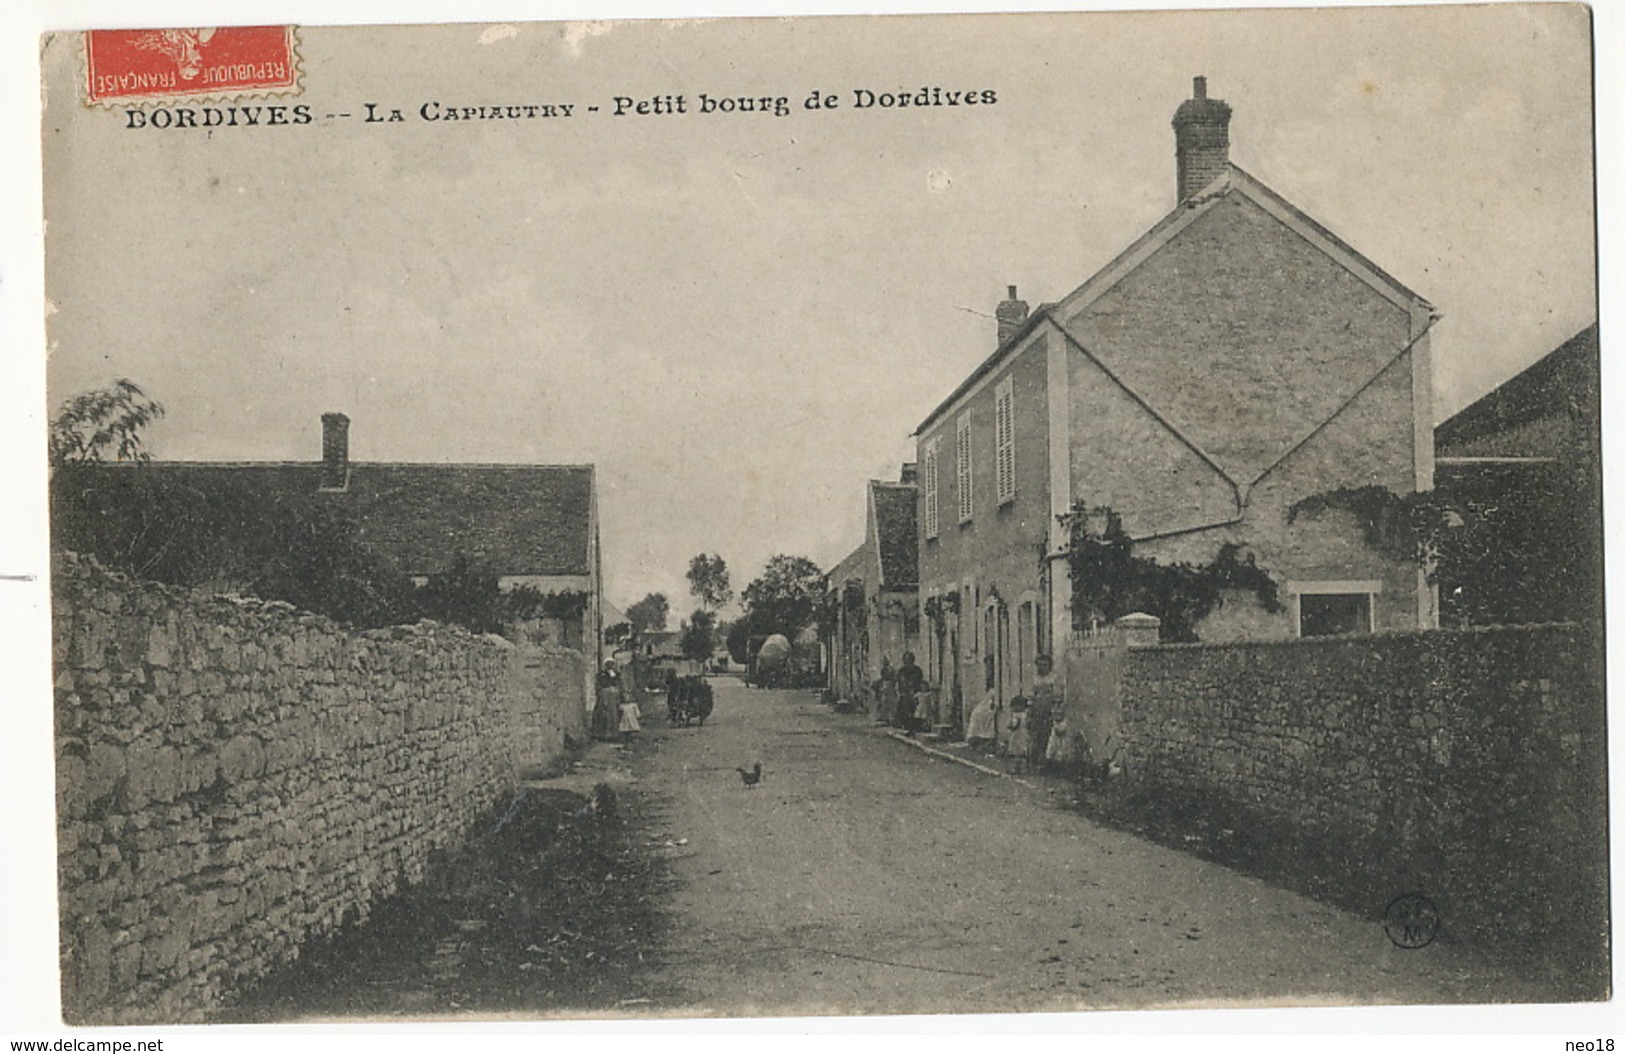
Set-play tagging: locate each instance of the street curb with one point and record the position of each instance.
(903, 737)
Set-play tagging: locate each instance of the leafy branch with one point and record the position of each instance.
(1109, 581)
(92, 425)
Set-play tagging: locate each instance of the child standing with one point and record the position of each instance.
(1020, 743)
(630, 717)
(1062, 750)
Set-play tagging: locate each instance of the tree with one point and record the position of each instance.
(784, 598)
(698, 639)
(738, 641)
(650, 613)
(708, 581)
(93, 424)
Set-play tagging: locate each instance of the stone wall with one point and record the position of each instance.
(1468, 766)
(551, 701)
(236, 776)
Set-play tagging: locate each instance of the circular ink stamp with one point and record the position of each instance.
(1411, 921)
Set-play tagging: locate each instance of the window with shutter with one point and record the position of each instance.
(930, 485)
(966, 507)
(1004, 442)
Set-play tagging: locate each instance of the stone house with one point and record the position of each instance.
(873, 593)
(1234, 360)
(530, 525)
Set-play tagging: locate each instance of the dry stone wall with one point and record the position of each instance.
(1466, 766)
(236, 776)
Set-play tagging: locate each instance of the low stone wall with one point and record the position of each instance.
(1468, 766)
(235, 777)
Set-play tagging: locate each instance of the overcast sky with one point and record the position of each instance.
(740, 318)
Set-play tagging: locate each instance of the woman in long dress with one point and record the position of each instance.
(606, 710)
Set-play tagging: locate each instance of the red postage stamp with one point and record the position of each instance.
(150, 64)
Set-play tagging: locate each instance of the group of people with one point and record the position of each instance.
(1032, 730)
(897, 694)
(1036, 734)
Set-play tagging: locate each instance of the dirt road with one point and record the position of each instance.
(865, 876)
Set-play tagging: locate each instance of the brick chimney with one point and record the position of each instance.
(335, 452)
(1011, 314)
(1201, 139)
(910, 473)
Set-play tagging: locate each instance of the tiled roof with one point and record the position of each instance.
(1528, 415)
(850, 567)
(895, 527)
(515, 519)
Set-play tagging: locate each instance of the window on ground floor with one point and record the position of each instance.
(1329, 609)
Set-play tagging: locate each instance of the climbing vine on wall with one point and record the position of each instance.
(1504, 545)
(1403, 527)
(1109, 581)
(528, 602)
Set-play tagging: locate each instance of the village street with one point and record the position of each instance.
(866, 876)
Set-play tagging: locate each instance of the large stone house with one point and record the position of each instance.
(873, 593)
(1236, 359)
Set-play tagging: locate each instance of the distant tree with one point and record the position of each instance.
(618, 633)
(698, 639)
(784, 598)
(708, 581)
(92, 425)
(738, 641)
(650, 613)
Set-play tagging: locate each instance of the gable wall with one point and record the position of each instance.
(1354, 450)
(1122, 457)
(1242, 333)
(1245, 338)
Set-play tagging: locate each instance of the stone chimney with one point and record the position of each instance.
(1011, 314)
(1201, 140)
(910, 473)
(335, 452)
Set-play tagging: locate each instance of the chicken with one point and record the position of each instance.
(752, 776)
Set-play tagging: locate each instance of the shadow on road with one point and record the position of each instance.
(549, 909)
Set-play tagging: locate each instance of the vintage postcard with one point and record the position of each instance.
(790, 517)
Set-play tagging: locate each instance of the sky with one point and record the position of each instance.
(739, 318)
